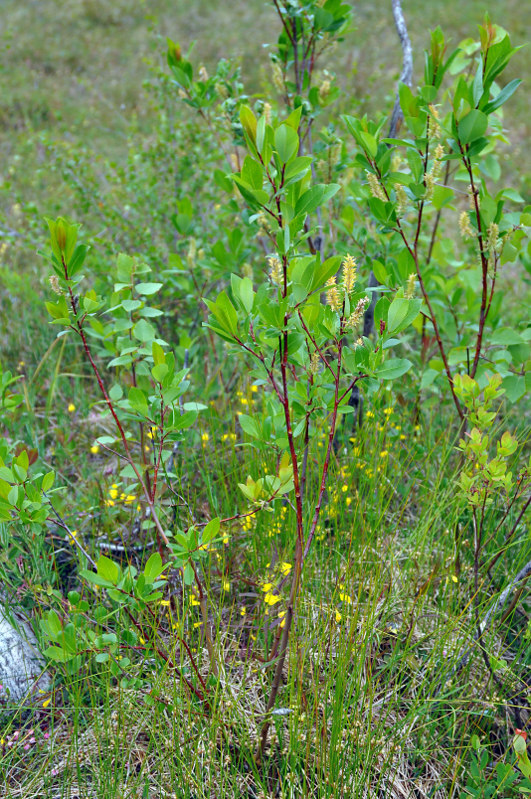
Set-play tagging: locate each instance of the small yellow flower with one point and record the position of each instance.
(345, 598)
(95, 448)
(71, 408)
(388, 411)
(194, 602)
(271, 599)
(165, 603)
(46, 702)
(281, 616)
(285, 568)
(225, 585)
(344, 488)
(113, 493)
(384, 453)
(338, 616)
(454, 578)
(204, 438)
(267, 587)
(109, 503)
(254, 389)
(369, 415)
(129, 498)
(243, 611)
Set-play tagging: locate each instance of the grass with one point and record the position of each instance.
(370, 704)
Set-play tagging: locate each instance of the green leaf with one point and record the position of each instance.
(58, 654)
(108, 569)
(77, 260)
(55, 628)
(148, 288)
(211, 530)
(297, 169)
(506, 336)
(159, 372)
(249, 425)
(369, 142)
(472, 126)
(252, 196)
(380, 273)
(154, 567)
(252, 173)
(224, 312)
(314, 197)
(401, 314)
(158, 353)
(47, 481)
(144, 331)
(248, 120)
(138, 401)
(477, 86)
(390, 370)
(325, 270)
(502, 97)
(286, 143)
(514, 386)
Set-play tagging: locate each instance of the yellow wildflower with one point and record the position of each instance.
(271, 599)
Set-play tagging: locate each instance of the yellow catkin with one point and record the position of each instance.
(375, 187)
(334, 154)
(332, 294)
(410, 287)
(493, 241)
(357, 314)
(324, 90)
(275, 269)
(192, 252)
(349, 273)
(314, 363)
(401, 199)
(267, 113)
(54, 283)
(465, 228)
(278, 77)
